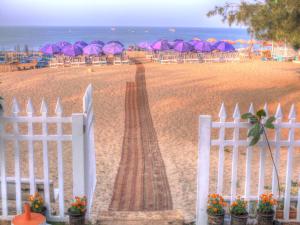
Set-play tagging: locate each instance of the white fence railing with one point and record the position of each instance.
(235, 127)
(25, 131)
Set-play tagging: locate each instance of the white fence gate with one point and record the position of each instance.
(278, 144)
(82, 148)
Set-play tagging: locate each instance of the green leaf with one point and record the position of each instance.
(269, 123)
(261, 113)
(254, 140)
(254, 131)
(246, 116)
(253, 119)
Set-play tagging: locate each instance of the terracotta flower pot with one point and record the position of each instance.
(239, 219)
(280, 213)
(216, 219)
(265, 219)
(76, 218)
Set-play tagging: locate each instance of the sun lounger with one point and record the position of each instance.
(78, 61)
(168, 59)
(191, 58)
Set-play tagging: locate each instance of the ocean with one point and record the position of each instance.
(35, 37)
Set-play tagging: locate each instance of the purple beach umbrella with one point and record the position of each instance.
(72, 50)
(50, 49)
(80, 44)
(194, 42)
(92, 49)
(97, 42)
(182, 46)
(116, 42)
(161, 45)
(203, 46)
(113, 48)
(62, 44)
(145, 45)
(223, 46)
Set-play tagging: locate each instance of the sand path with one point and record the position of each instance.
(141, 183)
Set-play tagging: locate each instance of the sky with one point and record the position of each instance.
(170, 13)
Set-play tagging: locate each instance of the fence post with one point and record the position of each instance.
(78, 155)
(203, 168)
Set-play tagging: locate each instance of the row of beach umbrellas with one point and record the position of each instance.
(182, 46)
(82, 48)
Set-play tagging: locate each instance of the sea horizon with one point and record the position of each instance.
(36, 36)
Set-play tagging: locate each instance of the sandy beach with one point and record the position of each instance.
(178, 94)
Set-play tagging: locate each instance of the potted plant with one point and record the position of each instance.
(238, 212)
(77, 211)
(265, 211)
(37, 204)
(215, 209)
(280, 211)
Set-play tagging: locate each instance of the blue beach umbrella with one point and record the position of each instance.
(62, 44)
(92, 49)
(113, 49)
(203, 46)
(182, 46)
(223, 46)
(116, 42)
(80, 44)
(50, 49)
(97, 42)
(160, 45)
(72, 50)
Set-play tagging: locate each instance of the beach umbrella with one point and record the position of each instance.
(223, 46)
(80, 44)
(182, 46)
(92, 49)
(203, 46)
(161, 45)
(211, 40)
(116, 42)
(196, 39)
(72, 50)
(113, 48)
(194, 42)
(145, 45)
(178, 40)
(97, 42)
(62, 44)
(50, 49)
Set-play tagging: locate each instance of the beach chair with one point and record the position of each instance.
(56, 61)
(191, 58)
(125, 59)
(99, 60)
(78, 61)
(117, 60)
(168, 59)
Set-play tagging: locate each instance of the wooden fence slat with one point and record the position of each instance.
(44, 111)
(222, 116)
(236, 117)
(203, 168)
(277, 138)
(60, 161)
(3, 170)
(16, 110)
(289, 168)
(248, 164)
(31, 162)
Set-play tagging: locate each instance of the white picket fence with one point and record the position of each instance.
(206, 142)
(83, 154)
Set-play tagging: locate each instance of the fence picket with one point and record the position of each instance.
(236, 117)
(3, 169)
(298, 200)
(44, 112)
(248, 164)
(222, 116)
(31, 164)
(16, 110)
(278, 116)
(289, 168)
(60, 162)
(203, 168)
